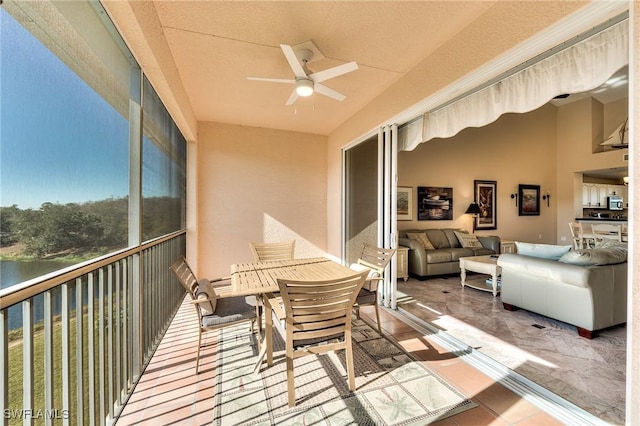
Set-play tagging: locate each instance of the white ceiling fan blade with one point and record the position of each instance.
(272, 80)
(333, 72)
(292, 98)
(324, 90)
(295, 65)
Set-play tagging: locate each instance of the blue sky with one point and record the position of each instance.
(59, 140)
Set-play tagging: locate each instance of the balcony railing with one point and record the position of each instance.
(74, 343)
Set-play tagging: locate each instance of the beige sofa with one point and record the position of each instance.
(588, 294)
(444, 258)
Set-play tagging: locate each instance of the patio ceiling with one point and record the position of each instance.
(209, 48)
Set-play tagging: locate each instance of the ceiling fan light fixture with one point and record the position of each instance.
(304, 87)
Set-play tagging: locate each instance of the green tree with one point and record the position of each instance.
(8, 231)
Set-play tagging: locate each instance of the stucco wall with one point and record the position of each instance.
(257, 185)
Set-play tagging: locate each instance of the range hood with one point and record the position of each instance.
(620, 137)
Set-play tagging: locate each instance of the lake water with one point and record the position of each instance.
(16, 271)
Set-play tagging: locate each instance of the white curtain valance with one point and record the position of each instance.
(578, 68)
(410, 134)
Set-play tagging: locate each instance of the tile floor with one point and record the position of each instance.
(169, 393)
(587, 373)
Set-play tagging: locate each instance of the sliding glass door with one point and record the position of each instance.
(369, 215)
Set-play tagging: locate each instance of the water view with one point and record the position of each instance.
(14, 272)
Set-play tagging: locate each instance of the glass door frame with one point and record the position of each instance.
(387, 161)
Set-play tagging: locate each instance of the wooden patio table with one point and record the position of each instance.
(261, 280)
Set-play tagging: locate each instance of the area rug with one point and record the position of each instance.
(392, 388)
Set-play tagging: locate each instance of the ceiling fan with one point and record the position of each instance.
(306, 83)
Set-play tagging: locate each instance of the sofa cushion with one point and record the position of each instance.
(445, 255)
(482, 251)
(439, 256)
(595, 256)
(451, 236)
(468, 240)
(543, 251)
(552, 270)
(438, 238)
(422, 238)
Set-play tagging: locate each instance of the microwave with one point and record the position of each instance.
(614, 202)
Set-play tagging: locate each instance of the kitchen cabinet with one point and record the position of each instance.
(594, 195)
(615, 190)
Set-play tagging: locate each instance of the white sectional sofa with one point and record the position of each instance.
(585, 288)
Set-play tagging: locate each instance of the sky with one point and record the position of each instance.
(60, 141)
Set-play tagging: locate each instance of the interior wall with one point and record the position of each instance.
(258, 185)
(576, 142)
(516, 149)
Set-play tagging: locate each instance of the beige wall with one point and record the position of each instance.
(257, 185)
(516, 149)
(581, 128)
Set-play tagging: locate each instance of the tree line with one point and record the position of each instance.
(90, 227)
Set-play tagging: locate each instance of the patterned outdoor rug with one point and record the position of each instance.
(391, 387)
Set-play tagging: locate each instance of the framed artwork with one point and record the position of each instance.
(435, 203)
(484, 194)
(404, 203)
(529, 197)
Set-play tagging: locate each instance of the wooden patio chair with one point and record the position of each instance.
(576, 236)
(317, 318)
(374, 260)
(263, 252)
(213, 305)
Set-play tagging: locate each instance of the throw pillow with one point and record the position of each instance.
(544, 251)
(595, 257)
(468, 240)
(205, 291)
(422, 239)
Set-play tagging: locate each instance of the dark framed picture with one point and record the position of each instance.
(404, 203)
(435, 203)
(529, 197)
(484, 193)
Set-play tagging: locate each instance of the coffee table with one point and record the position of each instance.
(484, 265)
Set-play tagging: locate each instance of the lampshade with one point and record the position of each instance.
(473, 209)
(304, 87)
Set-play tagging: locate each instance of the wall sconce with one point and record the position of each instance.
(515, 195)
(474, 211)
(625, 180)
(547, 197)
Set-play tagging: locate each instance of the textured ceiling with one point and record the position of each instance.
(200, 53)
(217, 45)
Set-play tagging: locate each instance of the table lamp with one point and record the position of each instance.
(474, 211)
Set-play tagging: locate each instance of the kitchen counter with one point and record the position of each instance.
(600, 219)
